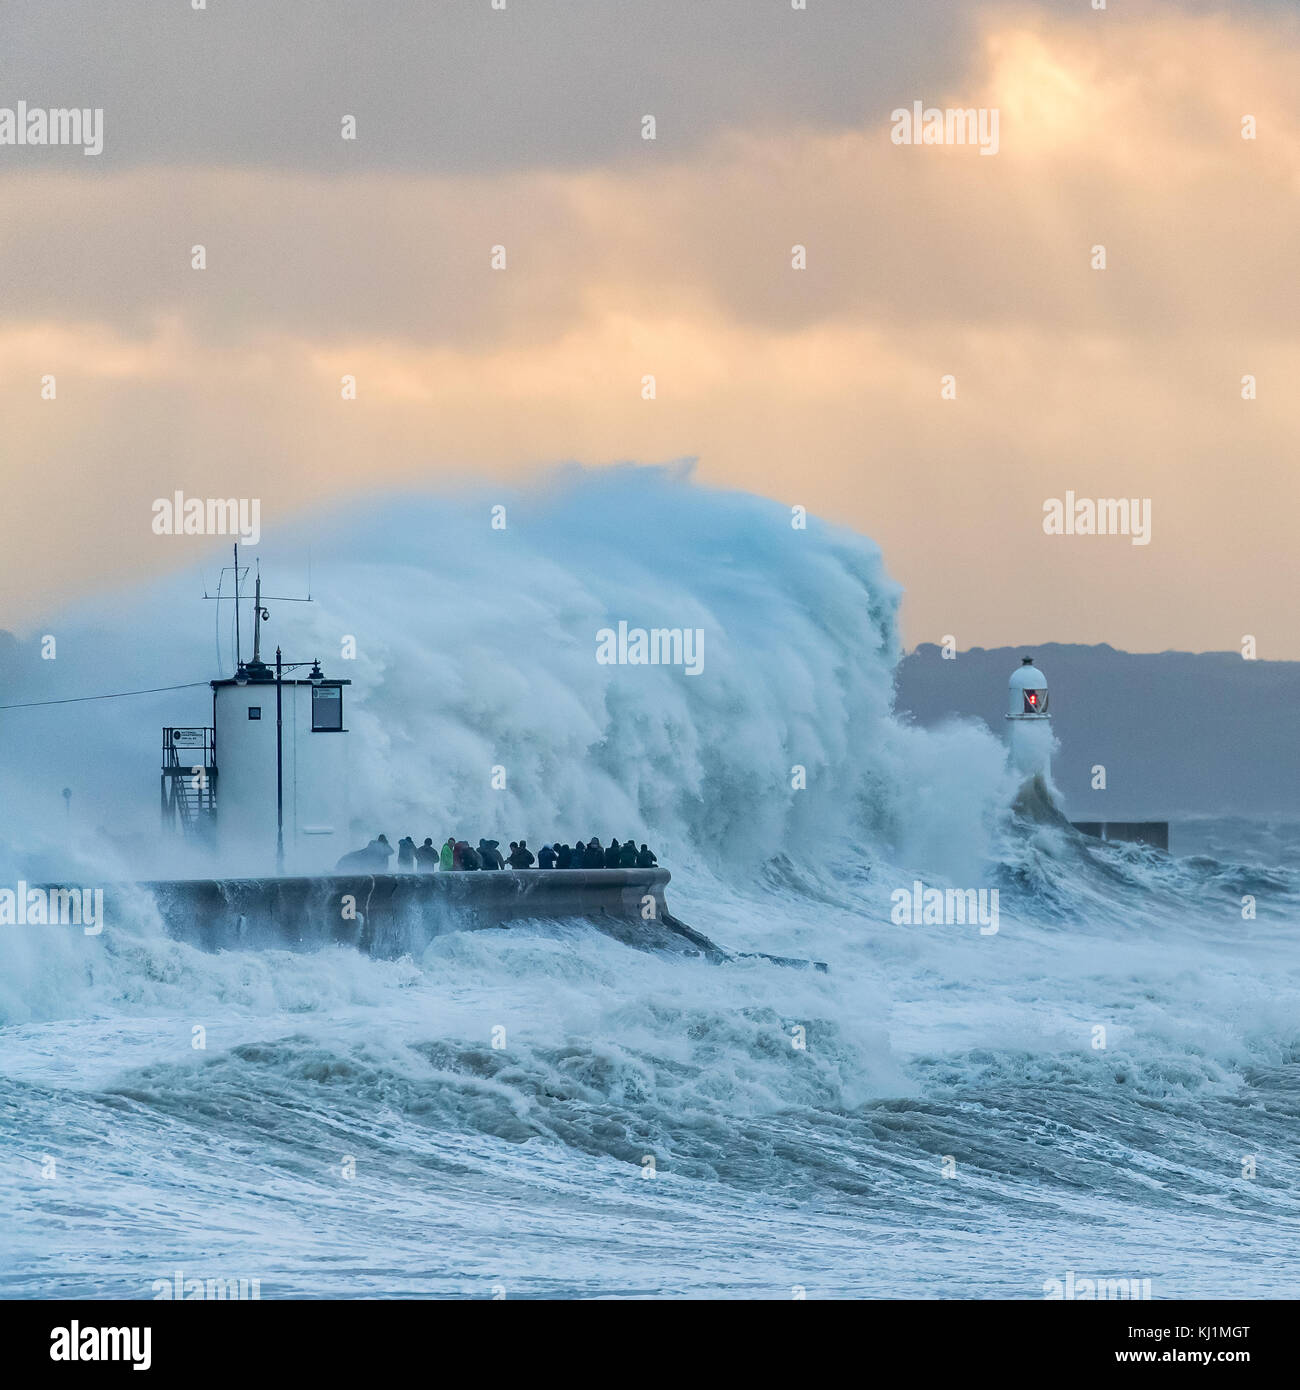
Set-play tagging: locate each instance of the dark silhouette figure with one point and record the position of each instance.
(406, 854)
(594, 857)
(546, 857)
(489, 855)
(645, 859)
(627, 855)
(426, 856)
(469, 856)
(521, 857)
(611, 854)
(373, 859)
(564, 857)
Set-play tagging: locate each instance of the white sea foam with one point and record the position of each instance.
(798, 1122)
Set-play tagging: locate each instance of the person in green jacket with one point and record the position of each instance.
(446, 860)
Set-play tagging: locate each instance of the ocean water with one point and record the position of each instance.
(543, 1112)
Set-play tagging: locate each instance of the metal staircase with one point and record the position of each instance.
(188, 788)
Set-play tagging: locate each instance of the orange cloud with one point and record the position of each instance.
(819, 386)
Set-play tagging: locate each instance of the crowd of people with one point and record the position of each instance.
(460, 854)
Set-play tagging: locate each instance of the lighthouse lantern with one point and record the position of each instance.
(1027, 695)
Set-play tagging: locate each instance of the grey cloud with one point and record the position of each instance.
(458, 86)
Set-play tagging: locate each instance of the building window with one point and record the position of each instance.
(326, 708)
(255, 711)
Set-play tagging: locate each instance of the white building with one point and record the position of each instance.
(267, 786)
(303, 784)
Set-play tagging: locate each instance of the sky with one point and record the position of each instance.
(625, 258)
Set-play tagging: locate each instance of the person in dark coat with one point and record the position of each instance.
(546, 857)
(627, 855)
(380, 852)
(406, 854)
(645, 859)
(489, 855)
(564, 857)
(593, 857)
(426, 856)
(469, 856)
(521, 857)
(611, 854)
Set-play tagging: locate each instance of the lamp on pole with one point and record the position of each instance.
(279, 769)
(316, 678)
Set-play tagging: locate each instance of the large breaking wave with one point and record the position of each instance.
(801, 1126)
(476, 649)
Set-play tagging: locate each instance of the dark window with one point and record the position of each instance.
(1035, 701)
(255, 711)
(326, 708)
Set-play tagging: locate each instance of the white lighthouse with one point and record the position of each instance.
(1030, 728)
(271, 794)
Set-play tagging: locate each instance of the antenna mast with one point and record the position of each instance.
(260, 614)
(239, 651)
